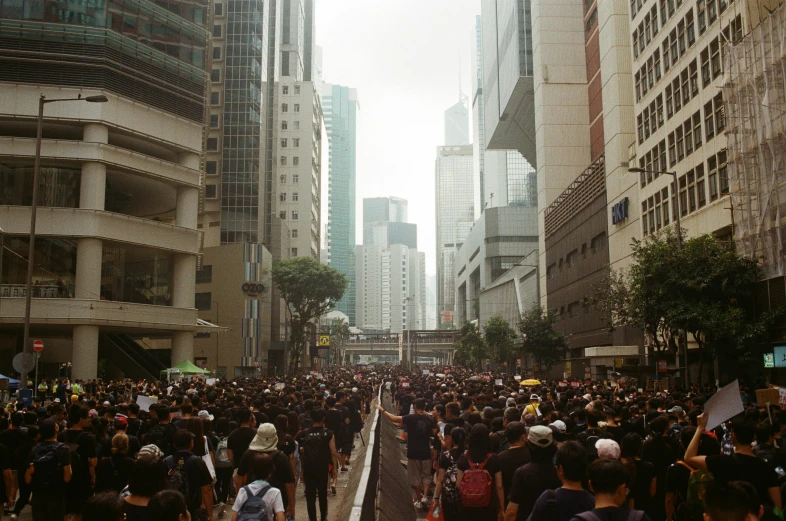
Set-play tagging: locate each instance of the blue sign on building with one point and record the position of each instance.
(619, 212)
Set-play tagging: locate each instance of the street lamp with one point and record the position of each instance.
(637, 170)
(33, 208)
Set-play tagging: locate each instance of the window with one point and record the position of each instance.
(212, 144)
(691, 28)
(283, 124)
(712, 177)
(215, 75)
(296, 108)
(293, 233)
(294, 215)
(701, 191)
(294, 196)
(680, 138)
(715, 58)
(666, 62)
(295, 160)
(203, 301)
(282, 214)
(284, 107)
(683, 196)
(697, 129)
(216, 31)
(295, 178)
(691, 191)
(712, 11)
(297, 124)
(294, 252)
(296, 142)
(297, 89)
(283, 142)
(285, 90)
(709, 119)
(283, 161)
(211, 167)
(720, 119)
(204, 275)
(218, 9)
(282, 197)
(283, 179)
(669, 102)
(723, 175)
(687, 130)
(210, 191)
(214, 121)
(694, 78)
(701, 8)
(215, 98)
(216, 53)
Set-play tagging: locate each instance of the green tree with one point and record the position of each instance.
(310, 289)
(539, 338)
(471, 348)
(501, 338)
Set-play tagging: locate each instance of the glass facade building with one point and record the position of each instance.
(340, 106)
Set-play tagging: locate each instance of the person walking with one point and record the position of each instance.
(48, 473)
(318, 446)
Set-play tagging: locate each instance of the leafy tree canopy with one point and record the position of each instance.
(539, 338)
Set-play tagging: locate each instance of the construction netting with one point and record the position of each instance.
(755, 104)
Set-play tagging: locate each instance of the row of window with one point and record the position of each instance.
(694, 191)
(283, 215)
(646, 30)
(572, 258)
(282, 197)
(283, 177)
(285, 89)
(295, 107)
(285, 142)
(285, 125)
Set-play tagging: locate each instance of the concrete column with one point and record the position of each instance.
(95, 133)
(92, 190)
(182, 346)
(187, 209)
(88, 268)
(184, 281)
(84, 356)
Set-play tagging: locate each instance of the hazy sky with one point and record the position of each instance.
(403, 57)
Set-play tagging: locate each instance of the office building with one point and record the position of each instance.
(118, 196)
(340, 106)
(457, 123)
(391, 288)
(501, 177)
(455, 217)
(385, 223)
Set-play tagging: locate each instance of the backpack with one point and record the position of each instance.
(691, 507)
(551, 505)
(504, 443)
(160, 436)
(255, 508)
(47, 467)
(222, 454)
(305, 421)
(476, 485)
(313, 447)
(589, 447)
(633, 515)
(450, 492)
(177, 477)
(78, 463)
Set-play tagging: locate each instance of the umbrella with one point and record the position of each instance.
(531, 381)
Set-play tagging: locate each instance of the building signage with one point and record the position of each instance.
(324, 340)
(252, 288)
(769, 360)
(780, 356)
(619, 212)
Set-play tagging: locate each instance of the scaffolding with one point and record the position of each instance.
(755, 95)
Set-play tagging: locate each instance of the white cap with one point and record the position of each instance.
(354, 389)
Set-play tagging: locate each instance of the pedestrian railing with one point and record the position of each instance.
(365, 504)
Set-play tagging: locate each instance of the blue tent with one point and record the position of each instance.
(12, 383)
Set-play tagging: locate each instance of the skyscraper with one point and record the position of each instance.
(457, 123)
(119, 182)
(385, 222)
(455, 216)
(340, 106)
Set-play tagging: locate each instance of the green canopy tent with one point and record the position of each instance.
(185, 368)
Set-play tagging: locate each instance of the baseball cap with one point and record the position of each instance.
(120, 421)
(354, 389)
(560, 425)
(676, 409)
(204, 415)
(540, 435)
(107, 404)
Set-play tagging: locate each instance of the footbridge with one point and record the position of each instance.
(412, 345)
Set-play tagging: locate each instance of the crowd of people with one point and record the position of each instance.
(478, 446)
(484, 446)
(175, 451)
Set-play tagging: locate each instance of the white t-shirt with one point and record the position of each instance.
(272, 498)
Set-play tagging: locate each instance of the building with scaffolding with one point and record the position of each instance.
(755, 94)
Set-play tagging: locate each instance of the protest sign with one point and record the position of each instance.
(145, 402)
(724, 404)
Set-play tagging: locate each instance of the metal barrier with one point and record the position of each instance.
(365, 504)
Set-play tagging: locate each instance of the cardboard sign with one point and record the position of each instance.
(278, 386)
(498, 381)
(145, 402)
(765, 396)
(210, 381)
(517, 377)
(724, 404)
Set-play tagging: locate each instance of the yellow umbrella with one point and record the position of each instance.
(531, 381)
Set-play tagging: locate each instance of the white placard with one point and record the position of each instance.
(145, 402)
(210, 381)
(426, 372)
(498, 381)
(724, 404)
(278, 386)
(517, 377)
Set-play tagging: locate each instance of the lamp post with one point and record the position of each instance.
(33, 208)
(684, 335)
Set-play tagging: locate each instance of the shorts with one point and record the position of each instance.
(418, 472)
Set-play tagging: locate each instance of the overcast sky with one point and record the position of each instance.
(403, 57)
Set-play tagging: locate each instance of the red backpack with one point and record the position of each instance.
(476, 485)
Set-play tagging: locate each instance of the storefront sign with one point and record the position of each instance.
(769, 360)
(619, 212)
(252, 288)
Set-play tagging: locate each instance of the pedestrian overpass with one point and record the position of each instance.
(415, 345)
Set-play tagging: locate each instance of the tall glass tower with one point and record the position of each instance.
(340, 106)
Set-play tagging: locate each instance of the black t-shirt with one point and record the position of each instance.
(14, 441)
(333, 422)
(5, 463)
(569, 503)
(492, 467)
(613, 514)
(238, 442)
(640, 490)
(86, 451)
(112, 473)
(529, 482)
(677, 478)
(197, 475)
(745, 468)
(324, 455)
(420, 428)
(509, 461)
(281, 475)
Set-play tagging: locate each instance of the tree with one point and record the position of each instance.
(471, 348)
(500, 338)
(539, 338)
(338, 330)
(310, 289)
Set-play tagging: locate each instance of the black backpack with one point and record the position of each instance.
(177, 478)
(161, 436)
(314, 451)
(305, 420)
(47, 467)
(78, 463)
